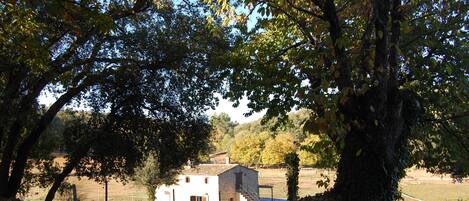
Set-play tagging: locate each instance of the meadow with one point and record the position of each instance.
(419, 185)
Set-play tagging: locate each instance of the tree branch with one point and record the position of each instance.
(458, 138)
(330, 13)
(26, 146)
(450, 117)
(309, 12)
(283, 51)
(365, 48)
(395, 36)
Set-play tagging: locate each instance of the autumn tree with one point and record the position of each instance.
(308, 157)
(277, 148)
(150, 66)
(371, 71)
(247, 148)
(320, 149)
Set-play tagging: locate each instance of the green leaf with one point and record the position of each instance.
(358, 153)
(380, 34)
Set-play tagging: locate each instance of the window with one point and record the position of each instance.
(206, 180)
(198, 198)
(188, 179)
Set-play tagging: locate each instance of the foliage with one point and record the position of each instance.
(284, 137)
(149, 175)
(277, 148)
(322, 149)
(371, 71)
(447, 140)
(223, 131)
(294, 125)
(324, 182)
(247, 148)
(292, 163)
(143, 68)
(307, 159)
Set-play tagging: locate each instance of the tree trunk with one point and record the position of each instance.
(26, 146)
(7, 156)
(80, 152)
(374, 154)
(105, 189)
(58, 181)
(364, 175)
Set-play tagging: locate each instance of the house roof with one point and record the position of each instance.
(208, 169)
(221, 153)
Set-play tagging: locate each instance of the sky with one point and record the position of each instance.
(236, 114)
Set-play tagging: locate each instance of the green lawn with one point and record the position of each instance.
(418, 184)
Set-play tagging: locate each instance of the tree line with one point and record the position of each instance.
(265, 144)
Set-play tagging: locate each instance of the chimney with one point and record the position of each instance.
(227, 160)
(188, 165)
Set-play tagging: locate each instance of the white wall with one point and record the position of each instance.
(196, 187)
(219, 188)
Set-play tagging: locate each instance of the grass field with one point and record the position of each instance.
(418, 184)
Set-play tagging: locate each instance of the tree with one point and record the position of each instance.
(152, 62)
(277, 148)
(101, 147)
(247, 148)
(294, 125)
(149, 176)
(370, 71)
(292, 162)
(321, 150)
(223, 131)
(308, 157)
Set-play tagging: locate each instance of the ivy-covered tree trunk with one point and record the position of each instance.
(292, 161)
(374, 152)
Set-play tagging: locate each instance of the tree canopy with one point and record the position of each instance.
(145, 70)
(379, 75)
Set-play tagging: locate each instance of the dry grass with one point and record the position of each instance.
(276, 178)
(93, 191)
(418, 184)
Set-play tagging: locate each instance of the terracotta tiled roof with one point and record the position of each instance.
(208, 169)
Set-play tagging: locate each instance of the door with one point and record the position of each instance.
(239, 180)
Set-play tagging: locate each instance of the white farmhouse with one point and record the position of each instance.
(212, 182)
